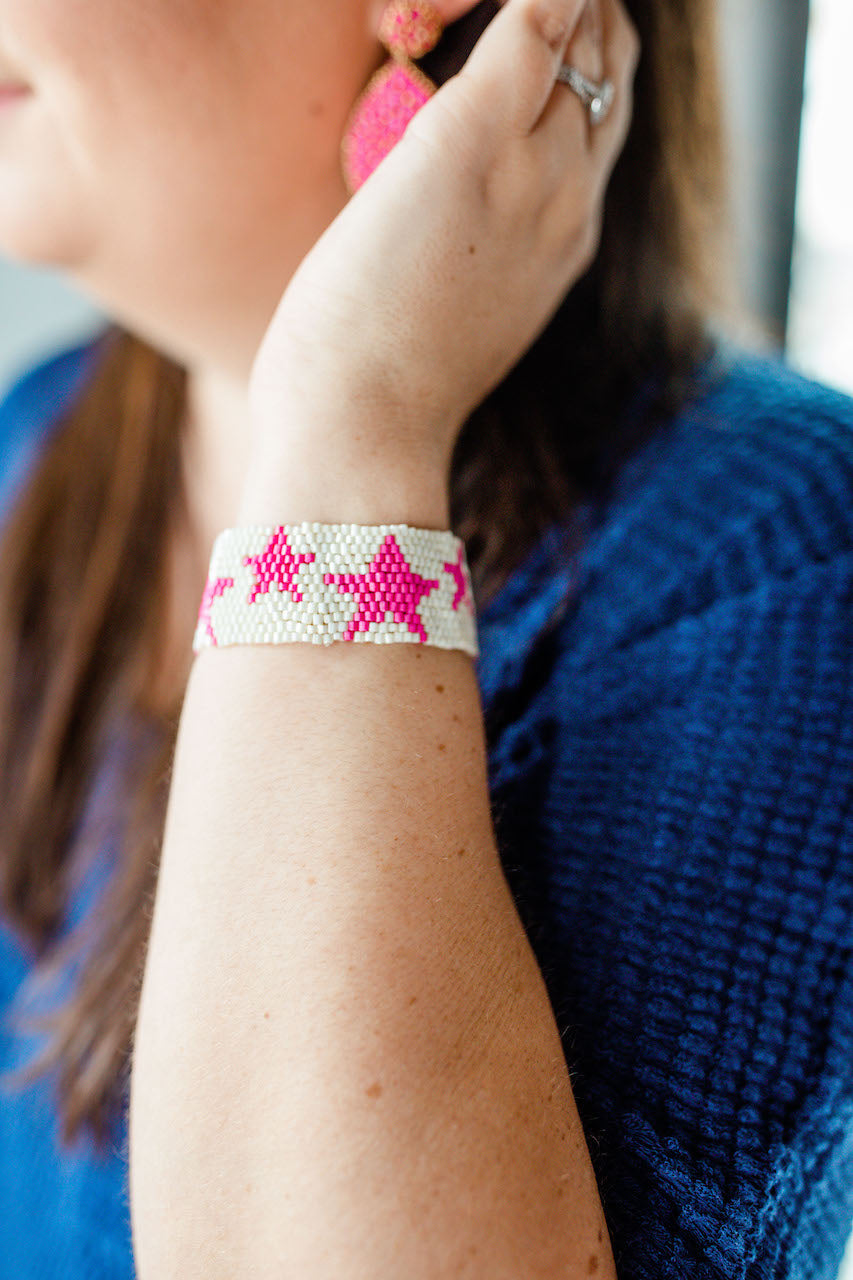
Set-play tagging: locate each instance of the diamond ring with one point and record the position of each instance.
(597, 98)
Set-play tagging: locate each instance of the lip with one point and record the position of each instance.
(10, 93)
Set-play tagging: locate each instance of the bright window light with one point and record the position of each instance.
(820, 329)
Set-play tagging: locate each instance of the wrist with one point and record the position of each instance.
(351, 479)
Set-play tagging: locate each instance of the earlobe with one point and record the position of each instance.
(450, 10)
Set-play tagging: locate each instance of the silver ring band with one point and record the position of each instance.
(597, 98)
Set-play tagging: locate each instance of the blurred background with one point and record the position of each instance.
(789, 100)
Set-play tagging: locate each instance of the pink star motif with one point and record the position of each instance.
(214, 587)
(389, 586)
(458, 573)
(277, 563)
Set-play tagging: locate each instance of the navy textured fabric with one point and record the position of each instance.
(671, 768)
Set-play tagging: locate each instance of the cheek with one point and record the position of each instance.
(215, 104)
(63, 41)
(86, 61)
(103, 66)
(169, 130)
(125, 101)
(45, 204)
(175, 85)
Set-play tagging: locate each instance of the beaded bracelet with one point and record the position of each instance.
(326, 582)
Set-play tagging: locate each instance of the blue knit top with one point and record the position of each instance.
(671, 770)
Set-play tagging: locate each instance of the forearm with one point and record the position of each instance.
(346, 1064)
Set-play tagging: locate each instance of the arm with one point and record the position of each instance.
(346, 1064)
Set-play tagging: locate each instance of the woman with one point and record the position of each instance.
(536, 964)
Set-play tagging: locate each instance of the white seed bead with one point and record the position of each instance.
(387, 583)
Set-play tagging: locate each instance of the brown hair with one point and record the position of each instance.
(79, 641)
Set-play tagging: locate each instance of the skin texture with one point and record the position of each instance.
(516, 178)
(346, 1063)
(176, 153)
(176, 161)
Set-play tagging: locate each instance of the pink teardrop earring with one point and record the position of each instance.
(378, 119)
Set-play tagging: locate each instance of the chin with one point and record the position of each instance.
(31, 243)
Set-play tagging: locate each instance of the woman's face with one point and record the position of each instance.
(177, 158)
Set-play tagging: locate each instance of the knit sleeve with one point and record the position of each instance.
(681, 848)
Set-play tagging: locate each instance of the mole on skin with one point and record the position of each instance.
(374, 1091)
(593, 1264)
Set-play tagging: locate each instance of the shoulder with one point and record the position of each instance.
(32, 404)
(43, 390)
(755, 422)
(749, 484)
(747, 487)
(759, 427)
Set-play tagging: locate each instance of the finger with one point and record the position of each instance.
(513, 65)
(596, 36)
(585, 52)
(621, 49)
(584, 49)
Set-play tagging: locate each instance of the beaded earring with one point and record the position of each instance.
(378, 119)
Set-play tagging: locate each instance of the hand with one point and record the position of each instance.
(452, 257)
